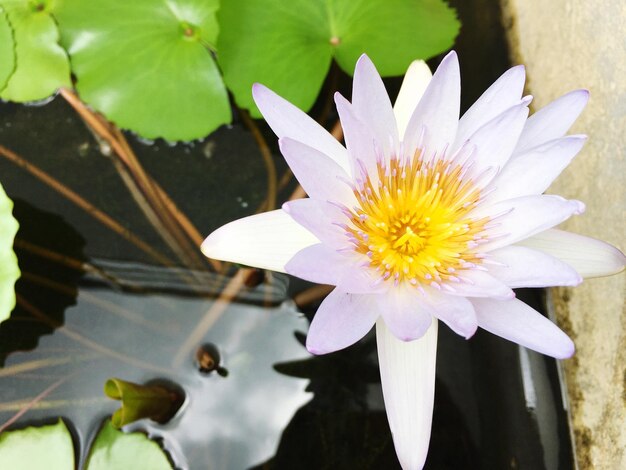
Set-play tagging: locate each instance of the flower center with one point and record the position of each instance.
(413, 223)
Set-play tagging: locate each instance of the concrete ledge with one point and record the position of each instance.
(568, 44)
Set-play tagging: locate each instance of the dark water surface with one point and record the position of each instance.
(497, 406)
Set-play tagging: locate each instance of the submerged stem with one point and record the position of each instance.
(89, 208)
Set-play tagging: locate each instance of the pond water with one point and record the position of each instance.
(94, 306)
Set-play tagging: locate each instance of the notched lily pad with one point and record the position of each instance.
(146, 64)
(41, 64)
(34, 448)
(117, 450)
(9, 269)
(288, 46)
(51, 447)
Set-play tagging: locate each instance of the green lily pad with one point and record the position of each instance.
(147, 64)
(34, 448)
(50, 447)
(9, 270)
(42, 65)
(288, 46)
(7, 49)
(116, 450)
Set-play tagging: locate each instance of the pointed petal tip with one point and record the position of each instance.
(567, 350)
(579, 206)
(363, 59)
(451, 55)
(209, 244)
(258, 90)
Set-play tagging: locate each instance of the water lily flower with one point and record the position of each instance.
(423, 217)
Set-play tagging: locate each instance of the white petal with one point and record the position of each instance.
(533, 171)
(525, 267)
(438, 110)
(318, 174)
(359, 138)
(588, 256)
(456, 312)
(267, 241)
(505, 92)
(495, 141)
(341, 321)
(553, 120)
(517, 322)
(407, 373)
(316, 263)
(477, 283)
(406, 316)
(415, 81)
(320, 263)
(523, 217)
(320, 218)
(286, 120)
(371, 103)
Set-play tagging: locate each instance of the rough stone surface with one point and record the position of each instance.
(568, 44)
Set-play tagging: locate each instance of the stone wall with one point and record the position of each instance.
(568, 44)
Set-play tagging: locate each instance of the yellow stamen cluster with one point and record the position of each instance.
(412, 221)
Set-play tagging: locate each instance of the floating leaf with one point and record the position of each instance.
(116, 450)
(288, 46)
(34, 448)
(9, 270)
(7, 49)
(146, 64)
(41, 64)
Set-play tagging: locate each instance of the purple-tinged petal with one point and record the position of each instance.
(533, 171)
(456, 312)
(360, 139)
(588, 256)
(406, 316)
(371, 104)
(320, 263)
(438, 110)
(523, 217)
(478, 283)
(517, 322)
(316, 263)
(495, 141)
(519, 266)
(287, 120)
(318, 174)
(407, 374)
(415, 81)
(552, 121)
(323, 219)
(267, 241)
(340, 321)
(505, 92)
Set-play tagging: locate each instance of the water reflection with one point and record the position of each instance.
(226, 422)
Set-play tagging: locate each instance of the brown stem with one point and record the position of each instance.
(67, 331)
(171, 224)
(306, 297)
(227, 295)
(86, 206)
(267, 159)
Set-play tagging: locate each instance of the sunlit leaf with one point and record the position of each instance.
(288, 46)
(7, 49)
(116, 450)
(36, 448)
(9, 270)
(41, 63)
(147, 64)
